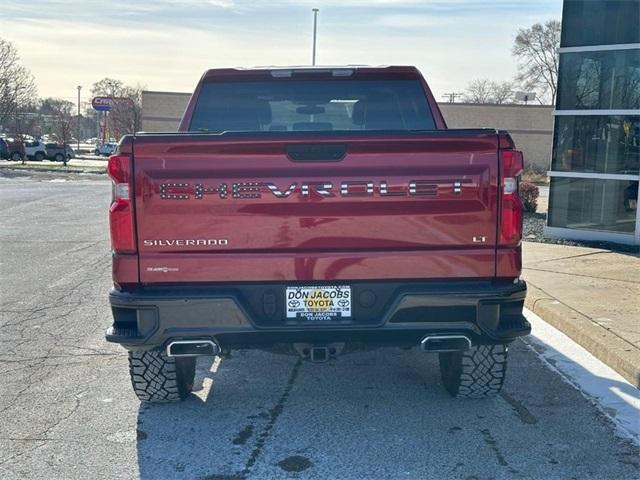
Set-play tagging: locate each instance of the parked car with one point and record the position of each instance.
(355, 219)
(16, 149)
(35, 150)
(4, 149)
(56, 152)
(106, 149)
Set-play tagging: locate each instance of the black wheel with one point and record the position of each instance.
(96, 152)
(476, 373)
(38, 157)
(157, 378)
(59, 157)
(16, 156)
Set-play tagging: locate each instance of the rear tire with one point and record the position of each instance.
(16, 157)
(476, 373)
(59, 157)
(157, 378)
(39, 156)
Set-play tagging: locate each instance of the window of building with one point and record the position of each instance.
(597, 144)
(607, 22)
(593, 204)
(599, 80)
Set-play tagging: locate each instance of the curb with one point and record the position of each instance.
(600, 342)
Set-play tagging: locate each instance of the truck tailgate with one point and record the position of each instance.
(220, 208)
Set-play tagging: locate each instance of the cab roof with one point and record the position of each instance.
(277, 71)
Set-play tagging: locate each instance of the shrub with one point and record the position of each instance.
(529, 195)
(534, 173)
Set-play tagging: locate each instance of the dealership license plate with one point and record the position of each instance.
(318, 303)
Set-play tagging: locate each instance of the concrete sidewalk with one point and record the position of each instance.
(591, 295)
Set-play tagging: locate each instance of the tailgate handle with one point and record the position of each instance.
(322, 152)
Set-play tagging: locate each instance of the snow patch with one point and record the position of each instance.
(606, 388)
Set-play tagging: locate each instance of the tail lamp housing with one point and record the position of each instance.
(511, 206)
(123, 238)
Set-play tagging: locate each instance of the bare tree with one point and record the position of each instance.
(502, 92)
(54, 106)
(125, 115)
(128, 110)
(536, 49)
(484, 90)
(17, 87)
(61, 115)
(478, 91)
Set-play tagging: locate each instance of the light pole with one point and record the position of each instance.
(79, 88)
(315, 29)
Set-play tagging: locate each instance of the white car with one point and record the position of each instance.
(35, 150)
(106, 149)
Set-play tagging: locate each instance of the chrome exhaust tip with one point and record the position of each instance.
(192, 348)
(445, 343)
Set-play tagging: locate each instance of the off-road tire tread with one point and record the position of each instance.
(156, 378)
(476, 373)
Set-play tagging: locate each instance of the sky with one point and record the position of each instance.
(167, 45)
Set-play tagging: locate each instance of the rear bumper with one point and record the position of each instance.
(384, 313)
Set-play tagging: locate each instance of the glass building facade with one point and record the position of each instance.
(595, 163)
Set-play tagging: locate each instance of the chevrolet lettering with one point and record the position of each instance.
(248, 190)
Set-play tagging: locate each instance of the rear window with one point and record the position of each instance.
(312, 105)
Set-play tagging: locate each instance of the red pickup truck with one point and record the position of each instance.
(315, 211)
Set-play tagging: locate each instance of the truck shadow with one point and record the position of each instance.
(373, 414)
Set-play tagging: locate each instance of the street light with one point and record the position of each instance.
(315, 27)
(79, 88)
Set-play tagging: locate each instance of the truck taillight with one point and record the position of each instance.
(511, 208)
(121, 211)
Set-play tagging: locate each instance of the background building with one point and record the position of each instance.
(531, 126)
(596, 146)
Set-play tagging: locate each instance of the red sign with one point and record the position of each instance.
(102, 104)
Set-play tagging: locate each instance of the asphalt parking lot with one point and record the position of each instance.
(67, 409)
